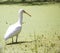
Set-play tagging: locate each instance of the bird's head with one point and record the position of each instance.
(23, 11)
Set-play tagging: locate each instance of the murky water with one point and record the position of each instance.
(40, 33)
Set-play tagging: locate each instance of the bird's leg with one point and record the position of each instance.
(16, 38)
(12, 39)
(5, 42)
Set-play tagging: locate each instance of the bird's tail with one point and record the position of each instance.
(5, 38)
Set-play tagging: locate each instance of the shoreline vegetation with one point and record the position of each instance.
(30, 2)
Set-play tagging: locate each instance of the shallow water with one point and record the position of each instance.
(43, 28)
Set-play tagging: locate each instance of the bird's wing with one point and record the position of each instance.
(12, 30)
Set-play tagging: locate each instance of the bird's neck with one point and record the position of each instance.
(20, 18)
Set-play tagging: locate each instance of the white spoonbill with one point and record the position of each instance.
(14, 29)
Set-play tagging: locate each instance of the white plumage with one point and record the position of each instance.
(13, 30)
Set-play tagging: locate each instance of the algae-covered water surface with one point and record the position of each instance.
(40, 33)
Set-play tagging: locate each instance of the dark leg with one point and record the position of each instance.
(16, 38)
(12, 39)
(5, 42)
